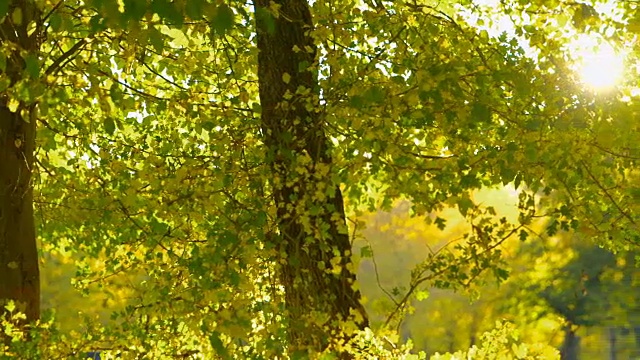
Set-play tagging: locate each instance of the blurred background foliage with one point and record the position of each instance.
(563, 290)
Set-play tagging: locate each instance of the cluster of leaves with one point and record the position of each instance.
(559, 283)
(503, 343)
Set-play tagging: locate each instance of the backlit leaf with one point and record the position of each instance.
(223, 19)
(109, 125)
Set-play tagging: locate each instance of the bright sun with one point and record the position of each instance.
(600, 66)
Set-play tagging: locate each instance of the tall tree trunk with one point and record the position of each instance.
(571, 345)
(313, 242)
(19, 273)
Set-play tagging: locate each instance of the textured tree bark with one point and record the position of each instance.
(19, 273)
(313, 242)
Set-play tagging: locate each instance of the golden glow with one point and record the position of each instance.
(599, 65)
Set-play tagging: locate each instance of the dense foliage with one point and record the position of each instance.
(204, 166)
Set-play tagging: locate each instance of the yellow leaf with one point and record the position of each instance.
(16, 17)
(179, 38)
(11, 305)
(286, 78)
(520, 351)
(13, 105)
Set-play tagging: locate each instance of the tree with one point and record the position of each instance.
(310, 211)
(582, 288)
(20, 34)
(203, 148)
(574, 291)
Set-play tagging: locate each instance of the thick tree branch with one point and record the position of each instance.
(57, 63)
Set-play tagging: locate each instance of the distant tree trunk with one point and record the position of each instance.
(313, 242)
(473, 329)
(636, 335)
(19, 274)
(571, 345)
(451, 336)
(612, 343)
(405, 331)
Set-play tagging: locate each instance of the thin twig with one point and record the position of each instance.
(599, 185)
(55, 7)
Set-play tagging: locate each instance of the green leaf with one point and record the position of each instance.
(303, 66)
(552, 227)
(522, 86)
(223, 20)
(55, 21)
(582, 14)
(440, 223)
(227, 180)
(218, 345)
(480, 113)
(266, 20)
(167, 11)
(464, 205)
(115, 93)
(501, 274)
(134, 9)
(366, 252)
(194, 9)
(356, 102)
(156, 39)
(517, 181)
(374, 94)
(109, 125)
(158, 227)
(533, 125)
(97, 23)
(32, 65)
(523, 235)
(300, 355)
(208, 125)
(398, 80)
(261, 219)
(531, 152)
(635, 193)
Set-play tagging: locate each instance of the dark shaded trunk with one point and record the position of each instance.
(612, 343)
(636, 336)
(571, 344)
(473, 329)
(313, 242)
(19, 273)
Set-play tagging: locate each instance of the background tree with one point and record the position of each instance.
(574, 291)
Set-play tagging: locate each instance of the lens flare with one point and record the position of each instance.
(599, 65)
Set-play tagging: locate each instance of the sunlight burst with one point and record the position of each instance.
(599, 65)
